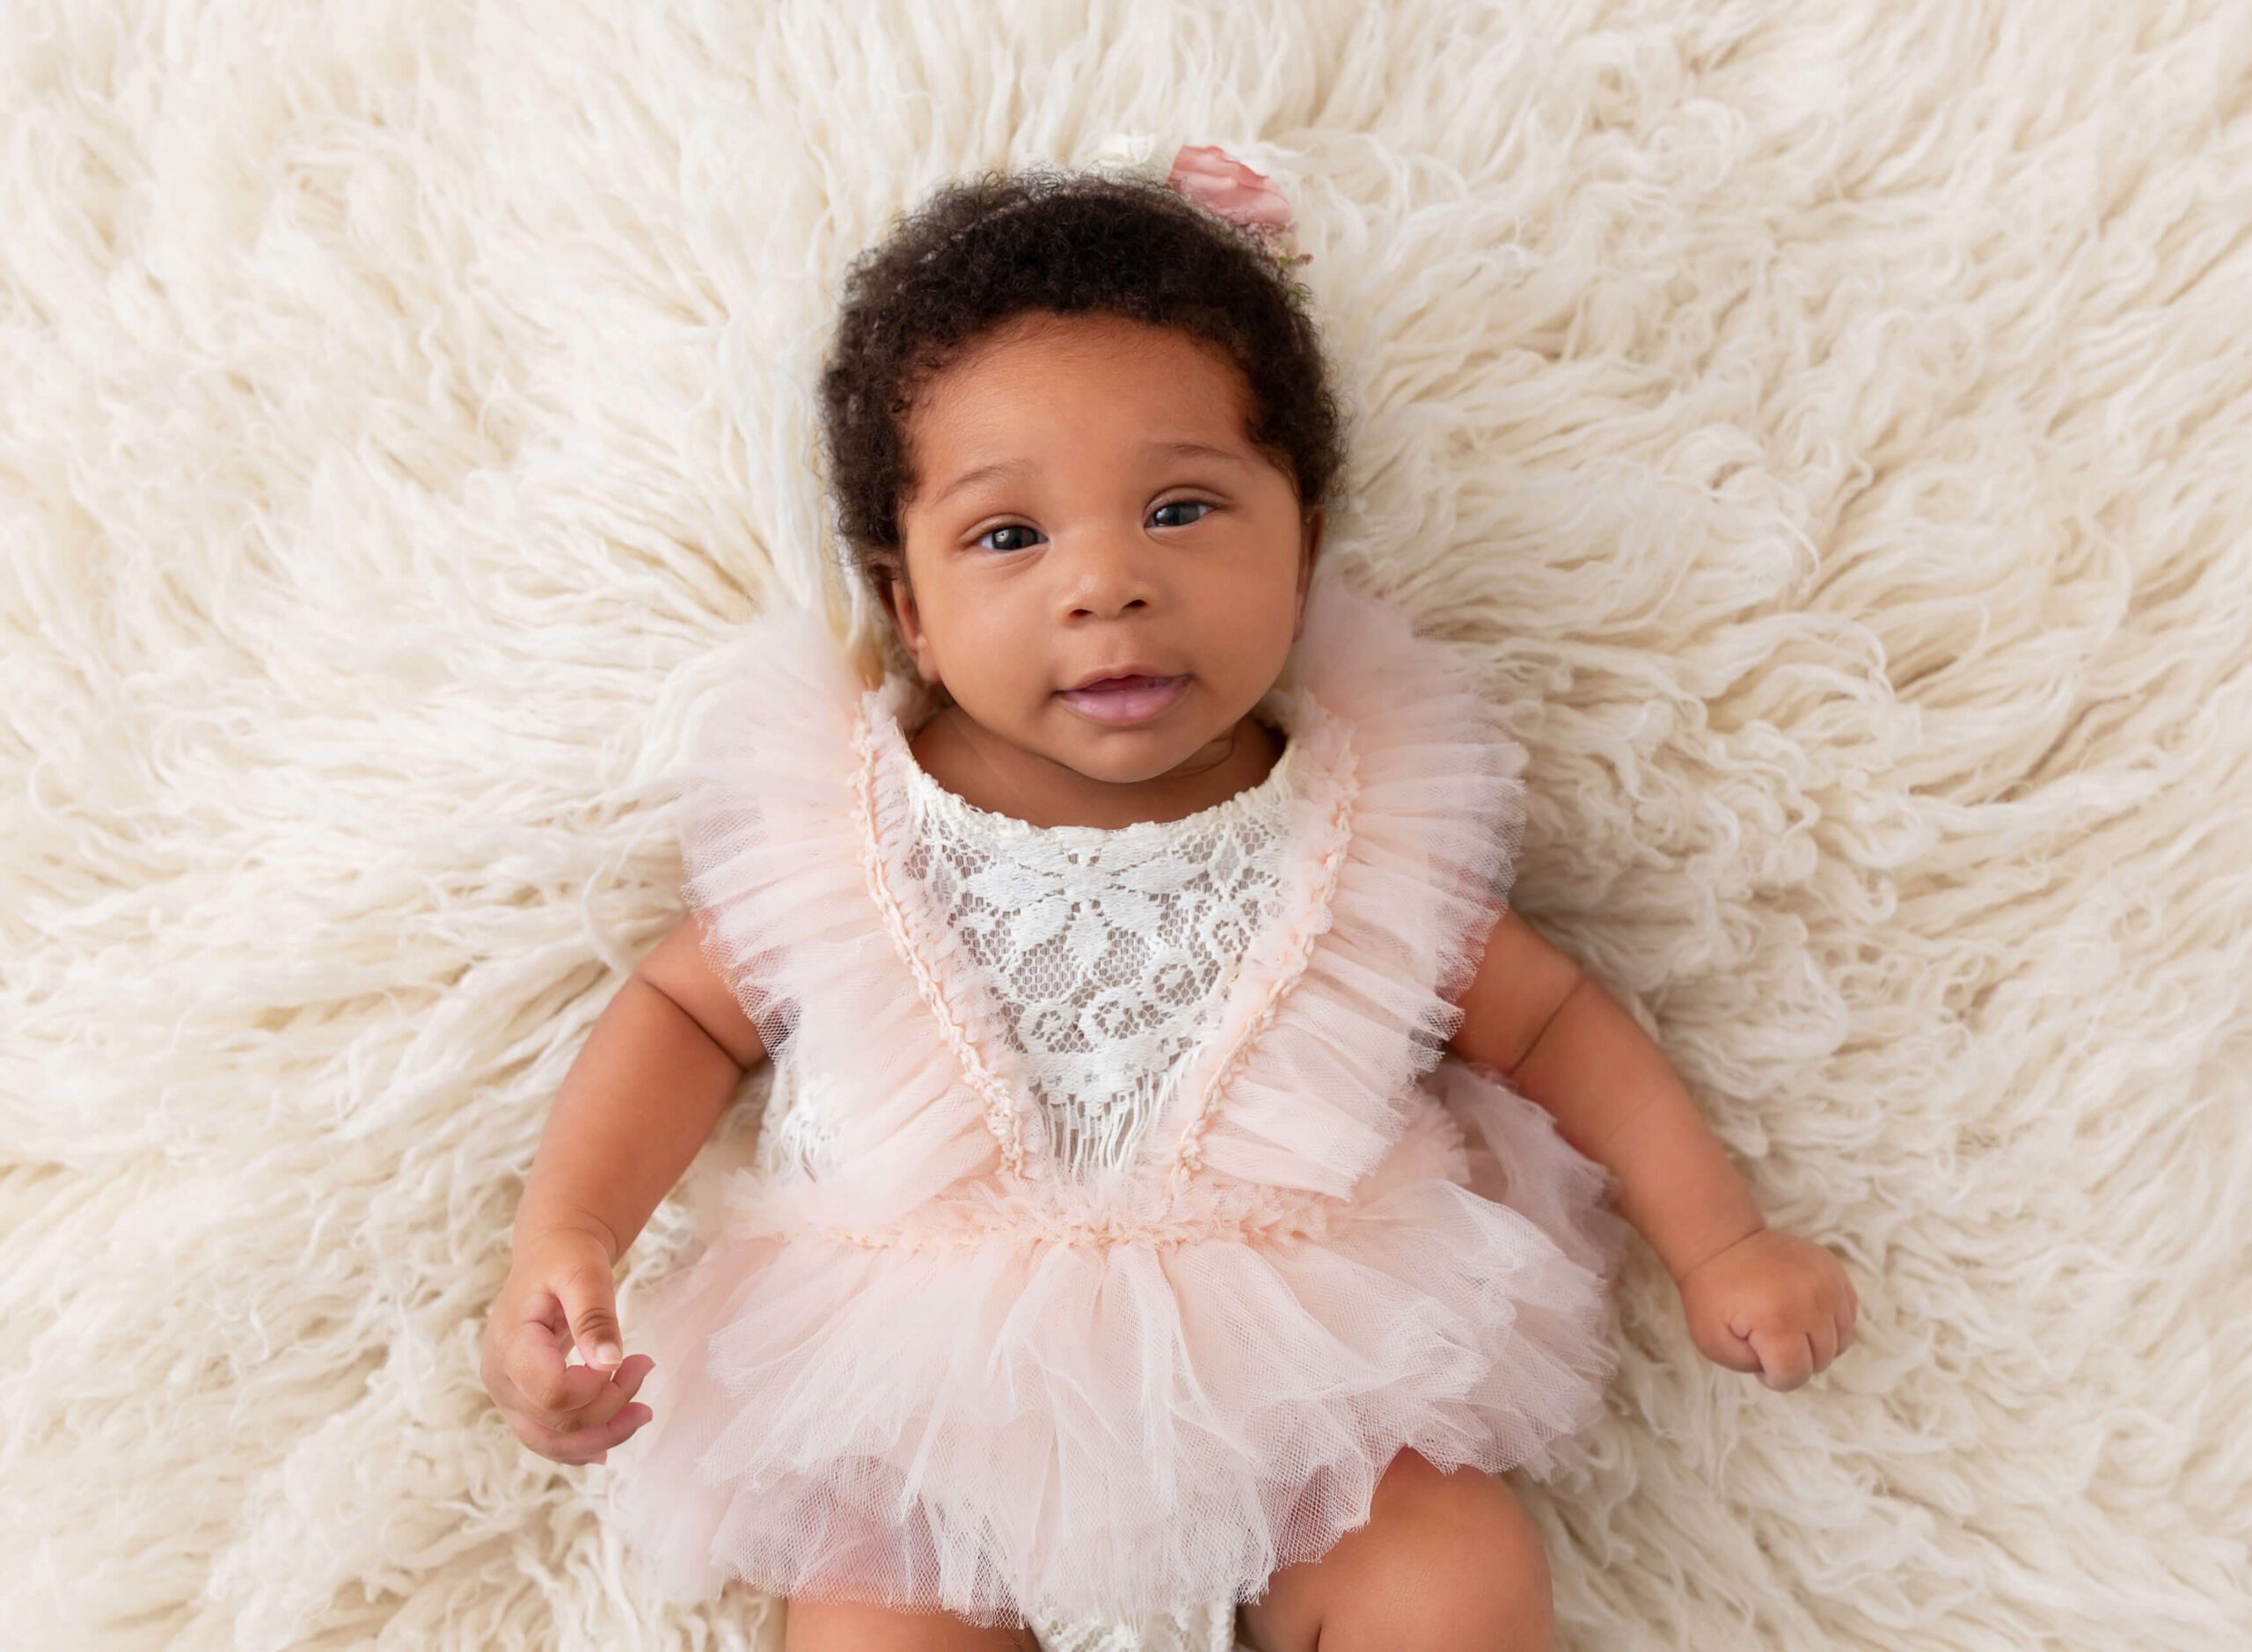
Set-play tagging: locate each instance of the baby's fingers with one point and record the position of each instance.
(1786, 1357)
(584, 1435)
(585, 1445)
(575, 1396)
(534, 1364)
(620, 1385)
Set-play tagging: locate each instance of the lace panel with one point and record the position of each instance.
(1108, 951)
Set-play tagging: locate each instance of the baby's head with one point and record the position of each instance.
(1077, 424)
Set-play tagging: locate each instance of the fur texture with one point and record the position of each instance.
(1833, 424)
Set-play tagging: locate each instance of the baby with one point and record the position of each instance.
(1187, 1186)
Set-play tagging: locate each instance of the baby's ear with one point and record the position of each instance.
(1309, 548)
(907, 623)
(893, 591)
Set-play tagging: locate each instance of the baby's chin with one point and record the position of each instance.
(1139, 756)
(1120, 757)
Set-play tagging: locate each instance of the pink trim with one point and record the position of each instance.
(1312, 919)
(1305, 1219)
(1119, 1213)
(1002, 1119)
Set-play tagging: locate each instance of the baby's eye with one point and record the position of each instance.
(1171, 504)
(1007, 527)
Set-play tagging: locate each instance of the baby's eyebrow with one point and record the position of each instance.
(1012, 467)
(1193, 450)
(977, 474)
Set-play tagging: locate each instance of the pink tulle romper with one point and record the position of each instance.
(1117, 1212)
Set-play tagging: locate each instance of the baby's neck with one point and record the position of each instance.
(992, 774)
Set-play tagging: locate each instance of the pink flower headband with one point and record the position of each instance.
(1223, 185)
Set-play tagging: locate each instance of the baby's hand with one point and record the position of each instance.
(574, 1414)
(1772, 1303)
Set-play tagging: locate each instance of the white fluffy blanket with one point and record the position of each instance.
(1833, 423)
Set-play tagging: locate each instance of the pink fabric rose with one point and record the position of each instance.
(1215, 179)
(1223, 185)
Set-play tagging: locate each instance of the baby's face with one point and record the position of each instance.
(1088, 547)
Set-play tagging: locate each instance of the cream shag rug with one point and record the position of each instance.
(1833, 422)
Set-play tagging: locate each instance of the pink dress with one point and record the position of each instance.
(1118, 1212)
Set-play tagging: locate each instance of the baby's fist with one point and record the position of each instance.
(558, 1296)
(1771, 1302)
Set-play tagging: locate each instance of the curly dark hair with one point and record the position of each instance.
(986, 248)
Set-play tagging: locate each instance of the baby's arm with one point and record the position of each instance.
(662, 1061)
(1756, 1299)
(1535, 1014)
(660, 1065)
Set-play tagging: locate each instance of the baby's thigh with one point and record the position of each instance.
(854, 1625)
(1448, 1560)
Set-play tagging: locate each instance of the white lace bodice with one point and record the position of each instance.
(1106, 952)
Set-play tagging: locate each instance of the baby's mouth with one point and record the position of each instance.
(1125, 700)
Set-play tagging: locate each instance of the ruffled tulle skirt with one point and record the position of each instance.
(1019, 1420)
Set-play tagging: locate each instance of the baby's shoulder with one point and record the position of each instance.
(681, 967)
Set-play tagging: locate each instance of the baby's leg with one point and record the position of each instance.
(853, 1626)
(1446, 1561)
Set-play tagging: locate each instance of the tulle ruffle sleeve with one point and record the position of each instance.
(1411, 830)
(765, 833)
(792, 860)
